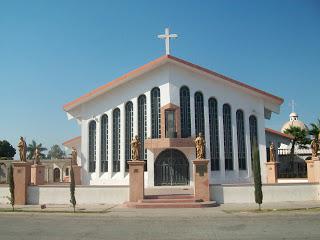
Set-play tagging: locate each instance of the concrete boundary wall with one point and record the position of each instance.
(4, 194)
(84, 194)
(227, 193)
(231, 193)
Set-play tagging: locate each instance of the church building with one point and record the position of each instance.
(167, 103)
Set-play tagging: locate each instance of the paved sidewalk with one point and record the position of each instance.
(118, 208)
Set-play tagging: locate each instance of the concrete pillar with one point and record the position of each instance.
(310, 171)
(201, 180)
(37, 174)
(77, 174)
(136, 180)
(272, 172)
(316, 169)
(22, 177)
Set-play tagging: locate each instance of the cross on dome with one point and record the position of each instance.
(166, 36)
(292, 105)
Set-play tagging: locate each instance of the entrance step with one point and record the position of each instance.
(170, 201)
(170, 196)
(171, 204)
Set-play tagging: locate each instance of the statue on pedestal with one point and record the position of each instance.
(22, 150)
(135, 148)
(74, 155)
(315, 147)
(273, 156)
(36, 156)
(200, 146)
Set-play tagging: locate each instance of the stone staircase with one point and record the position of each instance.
(170, 201)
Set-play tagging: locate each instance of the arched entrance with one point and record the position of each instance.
(171, 168)
(56, 175)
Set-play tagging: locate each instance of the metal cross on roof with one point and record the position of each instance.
(292, 105)
(167, 37)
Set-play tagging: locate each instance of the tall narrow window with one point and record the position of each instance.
(116, 140)
(104, 143)
(241, 140)
(92, 146)
(199, 113)
(214, 134)
(142, 127)
(227, 132)
(170, 124)
(185, 112)
(155, 113)
(253, 133)
(129, 132)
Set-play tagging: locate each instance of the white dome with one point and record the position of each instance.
(295, 122)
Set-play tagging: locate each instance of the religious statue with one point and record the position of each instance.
(135, 148)
(200, 146)
(36, 156)
(74, 155)
(315, 147)
(273, 157)
(22, 150)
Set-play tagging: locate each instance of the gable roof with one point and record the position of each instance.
(279, 133)
(153, 64)
(71, 142)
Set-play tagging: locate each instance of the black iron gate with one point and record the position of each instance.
(171, 168)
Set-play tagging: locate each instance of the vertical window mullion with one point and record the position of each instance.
(129, 132)
(253, 133)
(185, 116)
(92, 146)
(116, 140)
(104, 143)
(227, 129)
(155, 113)
(241, 140)
(199, 113)
(214, 135)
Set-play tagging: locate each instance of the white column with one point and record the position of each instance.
(150, 159)
(110, 138)
(235, 142)
(122, 138)
(248, 143)
(206, 127)
(135, 116)
(98, 146)
(84, 152)
(221, 143)
(207, 134)
(262, 146)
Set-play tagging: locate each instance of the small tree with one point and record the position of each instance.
(56, 152)
(257, 175)
(32, 148)
(299, 137)
(315, 128)
(11, 187)
(72, 190)
(6, 150)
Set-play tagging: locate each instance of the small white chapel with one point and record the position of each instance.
(167, 102)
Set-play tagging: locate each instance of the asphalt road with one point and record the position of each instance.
(161, 224)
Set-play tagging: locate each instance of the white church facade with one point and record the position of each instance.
(167, 103)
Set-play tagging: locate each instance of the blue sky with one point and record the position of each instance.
(52, 52)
